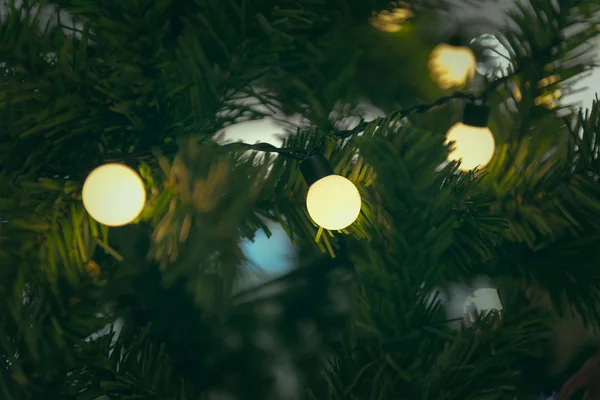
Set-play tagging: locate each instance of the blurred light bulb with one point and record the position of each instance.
(473, 146)
(333, 202)
(548, 99)
(452, 66)
(486, 299)
(391, 21)
(114, 194)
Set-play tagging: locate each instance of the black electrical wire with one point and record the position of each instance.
(303, 154)
(290, 152)
(423, 108)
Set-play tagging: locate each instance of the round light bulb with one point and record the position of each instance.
(333, 202)
(452, 66)
(114, 194)
(473, 146)
(487, 299)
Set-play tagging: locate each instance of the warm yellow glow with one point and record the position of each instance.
(552, 79)
(516, 92)
(548, 99)
(333, 202)
(452, 66)
(391, 21)
(114, 194)
(473, 146)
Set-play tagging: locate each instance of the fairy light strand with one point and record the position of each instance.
(302, 154)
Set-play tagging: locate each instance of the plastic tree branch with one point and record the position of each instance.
(290, 152)
(417, 108)
(296, 153)
(301, 154)
(423, 108)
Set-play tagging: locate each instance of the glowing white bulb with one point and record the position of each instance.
(452, 66)
(333, 202)
(487, 299)
(114, 194)
(473, 146)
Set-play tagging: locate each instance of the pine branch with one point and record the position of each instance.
(300, 153)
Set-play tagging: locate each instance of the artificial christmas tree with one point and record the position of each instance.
(158, 305)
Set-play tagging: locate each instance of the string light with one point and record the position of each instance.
(486, 300)
(451, 64)
(473, 141)
(392, 21)
(333, 202)
(114, 194)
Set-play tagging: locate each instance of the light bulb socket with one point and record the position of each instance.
(477, 115)
(314, 168)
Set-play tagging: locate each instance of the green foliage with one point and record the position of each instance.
(400, 344)
(551, 206)
(150, 83)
